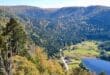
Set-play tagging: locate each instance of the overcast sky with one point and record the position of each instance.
(55, 3)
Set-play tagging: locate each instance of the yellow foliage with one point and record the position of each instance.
(40, 65)
(47, 65)
(79, 71)
(21, 66)
(55, 67)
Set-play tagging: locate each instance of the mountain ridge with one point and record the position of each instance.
(55, 28)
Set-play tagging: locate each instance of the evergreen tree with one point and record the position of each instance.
(16, 36)
(13, 41)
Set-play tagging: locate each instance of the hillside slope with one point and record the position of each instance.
(55, 28)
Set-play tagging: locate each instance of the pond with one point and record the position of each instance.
(97, 65)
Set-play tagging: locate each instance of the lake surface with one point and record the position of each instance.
(97, 65)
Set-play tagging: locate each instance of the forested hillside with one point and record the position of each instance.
(32, 39)
(55, 28)
(19, 55)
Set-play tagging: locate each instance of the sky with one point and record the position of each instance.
(55, 3)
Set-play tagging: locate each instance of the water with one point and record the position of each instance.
(97, 65)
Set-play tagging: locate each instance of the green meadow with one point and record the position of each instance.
(81, 50)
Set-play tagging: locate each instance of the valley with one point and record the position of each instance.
(56, 28)
(57, 41)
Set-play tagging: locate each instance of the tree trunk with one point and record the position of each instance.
(2, 66)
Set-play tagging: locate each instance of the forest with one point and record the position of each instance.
(34, 41)
(20, 56)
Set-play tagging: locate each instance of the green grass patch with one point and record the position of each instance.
(81, 50)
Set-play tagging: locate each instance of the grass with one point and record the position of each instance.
(79, 53)
(108, 52)
(81, 50)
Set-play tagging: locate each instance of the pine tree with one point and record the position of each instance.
(13, 43)
(16, 36)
